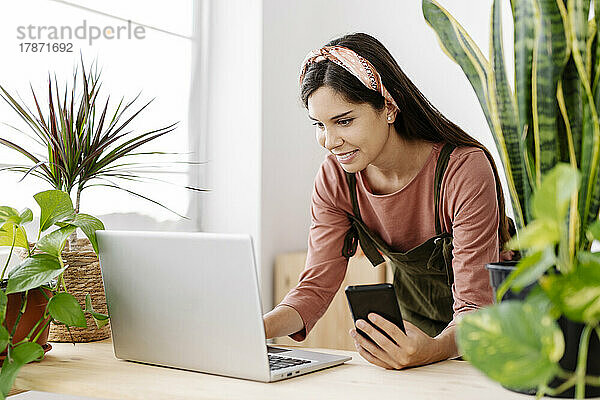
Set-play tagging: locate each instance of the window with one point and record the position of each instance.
(157, 63)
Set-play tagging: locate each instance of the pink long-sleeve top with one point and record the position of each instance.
(403, 219)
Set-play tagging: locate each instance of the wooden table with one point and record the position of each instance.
(90, 369)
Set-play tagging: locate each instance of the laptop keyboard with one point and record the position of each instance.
(278, 362)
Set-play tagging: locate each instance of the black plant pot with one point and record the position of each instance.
(571, 332)
(498, 273)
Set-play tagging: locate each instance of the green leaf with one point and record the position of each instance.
(589, 195)
(9, 232)
(64, 308)
(549, 59)
(507, 110)
(577, 294)
(7, 213)
(26, 216)
(89, 225)
(21, 355)
(528, 270)
(3, 305)
(100, 319)
(589, 258)
(569, 94)
(513, 342)
(497, 107)
(54, 242)
(593, 231)
(33, 272)
(537, 235)
(4, 338)
(524, 37)
(55, 205)
(455, 42)
(551, 199)
(538, 298)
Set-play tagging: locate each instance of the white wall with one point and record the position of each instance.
(264, 155)
(233, 118)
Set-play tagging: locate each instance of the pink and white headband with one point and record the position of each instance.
(358, 66)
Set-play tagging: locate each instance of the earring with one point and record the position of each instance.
(389, 118)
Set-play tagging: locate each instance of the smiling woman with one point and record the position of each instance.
(405, 183)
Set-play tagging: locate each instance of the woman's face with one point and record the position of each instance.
(355, 133)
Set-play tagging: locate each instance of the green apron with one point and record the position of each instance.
(423, 275)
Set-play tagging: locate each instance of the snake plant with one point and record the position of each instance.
(552, 114)
(547, 134)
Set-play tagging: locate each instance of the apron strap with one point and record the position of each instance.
(356, 235)
(440, 169)
(351, 179)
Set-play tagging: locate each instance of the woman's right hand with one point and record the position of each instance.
(281, 321)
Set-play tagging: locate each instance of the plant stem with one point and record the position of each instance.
(564, 374)
(582, 361)
(73, 236)
(573, 221)
(33, 329)
(592, 380)
(541, 391)
(26, 338)
(35, 339)
(21, 312)
(44, 294)
(78, 198)
(9, 351)
(11, 251)
(62, 276)
(566, 385)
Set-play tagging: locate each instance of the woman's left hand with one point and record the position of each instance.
(411, 349)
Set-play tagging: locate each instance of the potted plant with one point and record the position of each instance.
(34, 294)
(85, 144)
(549, 341)
(548, 138)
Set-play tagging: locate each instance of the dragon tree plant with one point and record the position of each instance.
(547, 134)
(85, 142)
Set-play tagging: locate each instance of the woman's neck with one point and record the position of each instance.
(398, 164)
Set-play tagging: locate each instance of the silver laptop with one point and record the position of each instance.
(191, 301)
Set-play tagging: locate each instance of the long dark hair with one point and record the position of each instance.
(418, 118)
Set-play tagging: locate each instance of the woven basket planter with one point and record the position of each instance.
(82, 277)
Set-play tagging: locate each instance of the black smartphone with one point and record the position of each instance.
(379, 299)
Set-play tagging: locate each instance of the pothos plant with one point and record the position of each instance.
(547, 133)
(42, 270)
(518, 343)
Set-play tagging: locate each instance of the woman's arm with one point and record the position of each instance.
(325, 265)
(281, 321)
